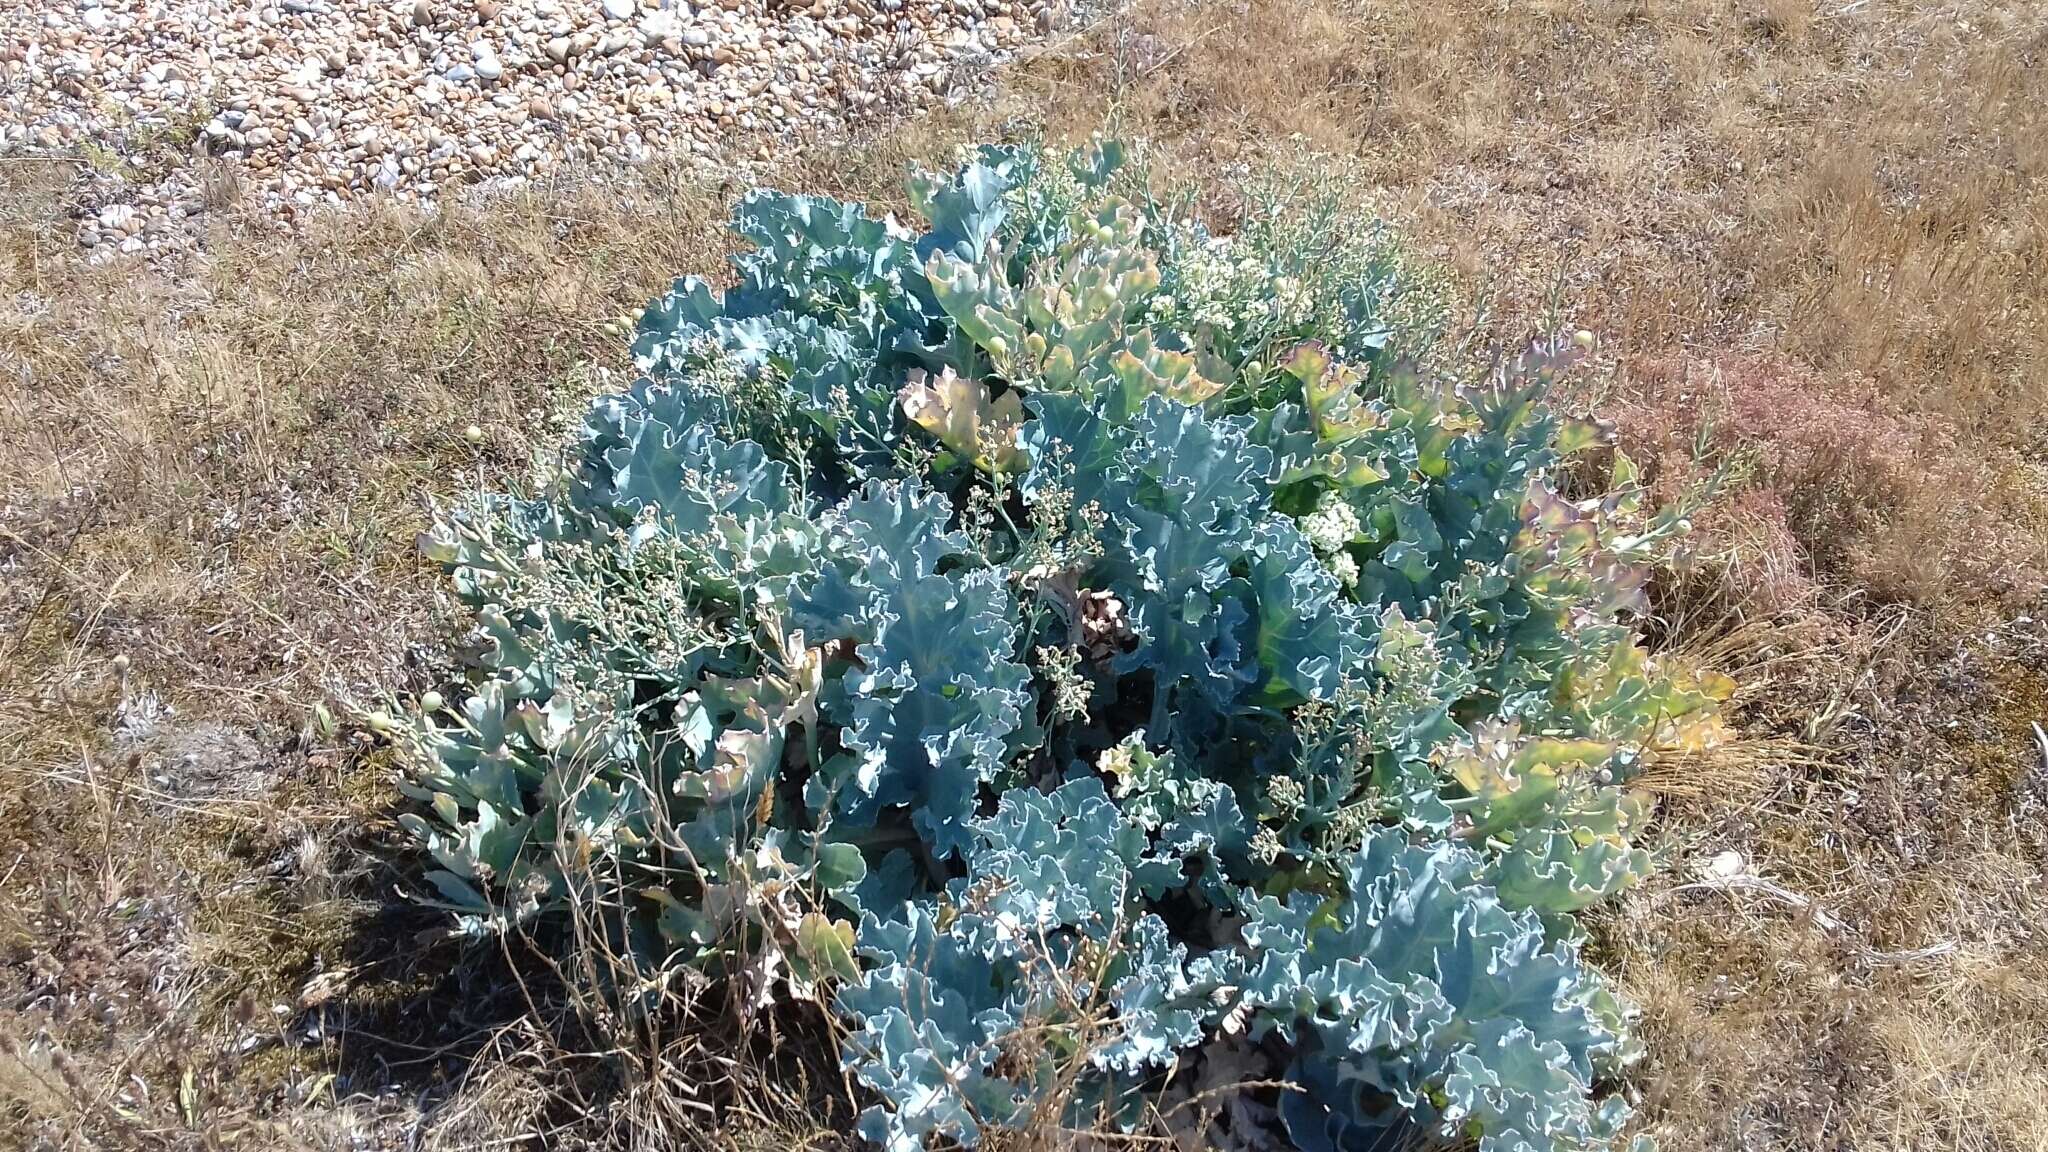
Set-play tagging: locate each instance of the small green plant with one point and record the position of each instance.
(1088, 653)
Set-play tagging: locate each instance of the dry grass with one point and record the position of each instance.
(1837, 213)
(1858, 188)
(1825, 479)
(214, 475)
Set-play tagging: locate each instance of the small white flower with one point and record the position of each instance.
(1346, 569)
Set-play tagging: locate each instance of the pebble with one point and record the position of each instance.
(319, 101)
(656, 27)
(1725, 865)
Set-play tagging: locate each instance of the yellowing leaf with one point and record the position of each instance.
(964, 415)
(1143, 368)
(1579, 435)
(824, 946)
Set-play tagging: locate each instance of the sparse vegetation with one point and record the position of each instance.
(214, 473)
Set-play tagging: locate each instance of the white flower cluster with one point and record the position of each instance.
(1205, 276)
(1330, 529)
(1266, 846)
(1222, 283)
(1070, 689)
(1053, 546)
(1294, 302)
(618, 597)
(1345, 568)
(1305, 256)
(1332, 525)
(1286, 795)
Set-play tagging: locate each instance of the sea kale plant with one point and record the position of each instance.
(1107, 661)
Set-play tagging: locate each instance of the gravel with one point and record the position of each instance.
(313, 102)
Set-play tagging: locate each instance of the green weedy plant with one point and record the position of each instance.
(1090, 654)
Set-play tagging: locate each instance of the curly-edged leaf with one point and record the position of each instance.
(968, 208)
(933, 694)
(1331, 392)
(981, 302)
(1510, 782)
(1050, 886)
(1419, 1003)
(1143, 368)
(1309, 639)
(1558, 870)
